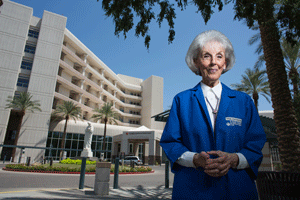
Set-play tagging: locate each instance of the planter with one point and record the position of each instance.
(278, 185)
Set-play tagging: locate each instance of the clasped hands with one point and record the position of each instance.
(216, 167)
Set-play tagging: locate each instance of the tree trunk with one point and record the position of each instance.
(22, 113)
(104, 136)
(294, 76)
(63, 138)
(284, 114)
(255, 99)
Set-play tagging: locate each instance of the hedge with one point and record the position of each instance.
(67, 169)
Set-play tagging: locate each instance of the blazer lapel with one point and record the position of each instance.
(198, 94)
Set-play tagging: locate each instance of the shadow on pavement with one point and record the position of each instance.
(138, 192)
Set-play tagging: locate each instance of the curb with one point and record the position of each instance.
(59, 172)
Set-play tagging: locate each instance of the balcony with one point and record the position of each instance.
(64, 98)
(70, 69)
(73, 56)
(111, 85)
(125, 114)
(77, 89)
(77, 74)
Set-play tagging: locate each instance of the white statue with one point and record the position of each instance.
(87, 151)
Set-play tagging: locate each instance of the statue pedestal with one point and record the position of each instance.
(87, 153)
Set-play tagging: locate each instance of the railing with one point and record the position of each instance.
(44, 148)
(275, 154)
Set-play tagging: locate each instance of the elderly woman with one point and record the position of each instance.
(214, 136)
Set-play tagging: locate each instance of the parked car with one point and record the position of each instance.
(135, 159)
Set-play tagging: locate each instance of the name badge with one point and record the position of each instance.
(232, 121)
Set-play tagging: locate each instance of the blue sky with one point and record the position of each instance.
(86, 20)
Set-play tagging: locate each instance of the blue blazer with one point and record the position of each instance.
(237, 129)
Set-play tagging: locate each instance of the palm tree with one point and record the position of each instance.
(21, 103)
(67, 110)
(284, 112)
(254, 83)
(291, 55)
(108, 115)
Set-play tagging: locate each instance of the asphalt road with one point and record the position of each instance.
(19, 181)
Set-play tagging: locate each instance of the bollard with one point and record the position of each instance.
(116, 175)
(167, 174)
(132, 164)
(20, 157)
(82, 173)
(28, 161)
(51, 161)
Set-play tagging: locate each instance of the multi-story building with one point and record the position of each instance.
(43, 57)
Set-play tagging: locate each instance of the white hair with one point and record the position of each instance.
(200, 41)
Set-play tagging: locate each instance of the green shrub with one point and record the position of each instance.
(77, 162)
(72, 169)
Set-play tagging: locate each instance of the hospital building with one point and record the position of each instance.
(42, 57)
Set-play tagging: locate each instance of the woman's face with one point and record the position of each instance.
(211, 63)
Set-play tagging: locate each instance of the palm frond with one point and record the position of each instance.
(254, 81)
(106, 112)
(23, 102)
(68, 110)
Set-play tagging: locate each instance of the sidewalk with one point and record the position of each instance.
(88, 193)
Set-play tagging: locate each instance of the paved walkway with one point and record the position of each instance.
(88, 193)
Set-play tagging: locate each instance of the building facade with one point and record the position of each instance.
(41, 56)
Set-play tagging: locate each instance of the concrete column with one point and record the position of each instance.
(99, 95)
(83, 71)
(115, 93)
(266, 164)
(124, 146)
(152, 147)
(81, 84)
(102, 177)
(146, 153)
(135, 149)
(102, 72)
(114, 104)
(158, 152)
(101, 84)
(116, 83)
(85, 57)
(80, 98)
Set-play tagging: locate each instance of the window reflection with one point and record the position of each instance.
(74, 142)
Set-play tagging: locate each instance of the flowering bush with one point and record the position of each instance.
(77, 162)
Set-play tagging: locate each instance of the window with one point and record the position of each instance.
(134, 122)
(29, 49)
(26, 65)
(130, 148)
(74, 145)
(134, 112)
(32, 33)
(23, 81)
